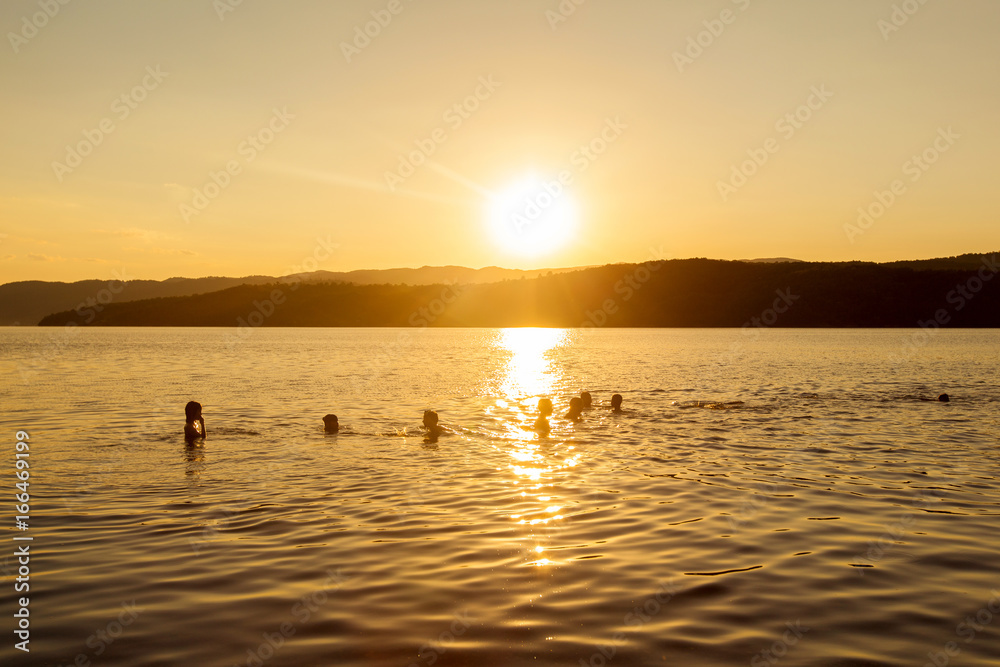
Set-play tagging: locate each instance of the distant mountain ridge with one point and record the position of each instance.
(27, 302)
(771, 260)
(957, 291)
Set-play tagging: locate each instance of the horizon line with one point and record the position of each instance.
(582, 267)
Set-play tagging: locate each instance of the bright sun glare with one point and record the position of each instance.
(533, 216)
(529, 363)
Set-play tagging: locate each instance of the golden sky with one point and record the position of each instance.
(228, 137)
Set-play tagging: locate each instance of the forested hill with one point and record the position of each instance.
(675, 293)
(28, 301)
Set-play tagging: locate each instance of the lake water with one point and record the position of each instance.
(776, 498)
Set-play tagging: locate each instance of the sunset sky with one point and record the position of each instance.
(116, 115)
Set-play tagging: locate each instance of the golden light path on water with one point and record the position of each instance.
(537, 460)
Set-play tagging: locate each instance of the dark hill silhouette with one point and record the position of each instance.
(676, 293)
(26, 302)
(969, 261)
(771, 260)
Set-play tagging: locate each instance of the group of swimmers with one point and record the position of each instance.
(194, 428)
(577, 405)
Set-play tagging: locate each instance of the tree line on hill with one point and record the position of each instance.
(674, 293)
(26, 302)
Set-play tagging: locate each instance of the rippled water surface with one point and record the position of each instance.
(782, 498)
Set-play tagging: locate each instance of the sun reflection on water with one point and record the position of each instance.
(530, 371)
(538, 463)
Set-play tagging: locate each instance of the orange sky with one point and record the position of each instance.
(201, 137)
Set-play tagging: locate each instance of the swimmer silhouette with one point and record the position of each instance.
(434, 430)
(431, 424)
(616, 403)
(575, 408)
(544, 410)
(194, 429)
(944, 398)
(330, 424)
(587, 400)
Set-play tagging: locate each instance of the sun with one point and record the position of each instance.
(533, 216)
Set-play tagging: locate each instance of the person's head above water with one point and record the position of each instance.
(616, 402)
(544, 410)
(194, 429)
(575, 408)
(430, 419)
(944, 398)
(587, 400)
(545, 407)
(192, 410)
(331, 424)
